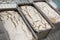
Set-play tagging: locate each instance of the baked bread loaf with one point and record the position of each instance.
(15, 26)
(48, 11)
(37, 21)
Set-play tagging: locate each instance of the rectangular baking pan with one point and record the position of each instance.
(41, 34)
(54, 26)
(57, 24)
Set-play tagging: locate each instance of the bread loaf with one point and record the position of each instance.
(15, 26)
(48, 11)
(37, 21)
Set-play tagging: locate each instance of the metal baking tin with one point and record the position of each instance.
(46, 32)
(41, 34)
(53, 25)
(57, 24)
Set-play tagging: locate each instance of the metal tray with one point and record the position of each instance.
(53, 25)
(41, 34)
(57, 24)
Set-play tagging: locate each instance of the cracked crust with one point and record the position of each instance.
(33, 16)
(48, 11)
(15, 26)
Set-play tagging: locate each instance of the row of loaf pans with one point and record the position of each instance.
(55, 26)
(37, 35)
(25, 21)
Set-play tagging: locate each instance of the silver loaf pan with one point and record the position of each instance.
(31, 14)
(57, 24)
